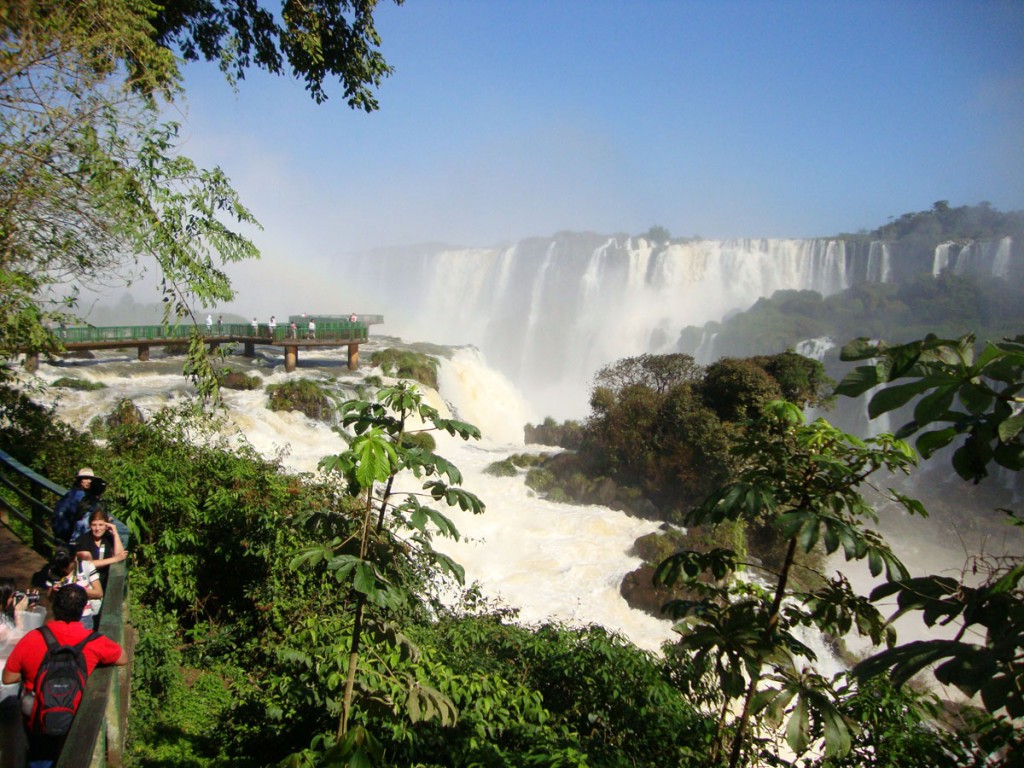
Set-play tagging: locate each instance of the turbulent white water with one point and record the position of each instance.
(551, 561)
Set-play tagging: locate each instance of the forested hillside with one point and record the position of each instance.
(913, 303)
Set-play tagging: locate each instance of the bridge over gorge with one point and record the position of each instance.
(347, 331)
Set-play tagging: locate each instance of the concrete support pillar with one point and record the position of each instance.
(250, 349)
(353, 357)
(32, 362)
(291, 358)
(144, 352)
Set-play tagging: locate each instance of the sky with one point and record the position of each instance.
(507, 119)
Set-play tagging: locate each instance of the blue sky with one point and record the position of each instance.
(506, 119)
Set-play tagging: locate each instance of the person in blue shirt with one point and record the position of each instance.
(76, 504)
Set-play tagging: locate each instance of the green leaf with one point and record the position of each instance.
(894, 397)
(975, 399)
(859, 381)
(861, 348)
(930, 442)
(934, 406)
(798, 728)
(1011, 427)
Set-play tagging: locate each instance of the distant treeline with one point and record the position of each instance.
(944, 223)
(949, 305)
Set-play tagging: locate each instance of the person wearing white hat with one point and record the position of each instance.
(78, 502)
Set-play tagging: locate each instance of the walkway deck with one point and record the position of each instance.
(331, 331)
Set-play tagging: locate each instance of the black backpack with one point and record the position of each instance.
(59, 685)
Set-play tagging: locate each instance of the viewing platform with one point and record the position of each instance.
(330, 331)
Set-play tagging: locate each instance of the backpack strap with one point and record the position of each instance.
(51, 640)
(48, 637)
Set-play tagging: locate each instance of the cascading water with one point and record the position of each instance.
(548, 313)
(550, 561)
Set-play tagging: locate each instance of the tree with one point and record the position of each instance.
(971, 400)
(90, 179)
(319, 39)
(388, 529)
(802, 479)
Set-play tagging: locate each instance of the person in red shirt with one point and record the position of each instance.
(24, 661)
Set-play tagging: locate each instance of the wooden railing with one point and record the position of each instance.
(97, 735)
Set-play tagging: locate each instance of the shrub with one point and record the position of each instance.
(69, 382)
(503, 468)
(301, 395)
(241, 381)
(406, 364)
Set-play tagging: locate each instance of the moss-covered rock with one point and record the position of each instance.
(407, 364)
(503, 468)
(241, 381)
(303, 395)
(69, 382)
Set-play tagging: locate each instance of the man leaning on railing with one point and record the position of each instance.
(47, 716)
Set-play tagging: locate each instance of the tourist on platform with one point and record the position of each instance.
(353, 318)
(220, 324)
(272, 325)
(102, 545)
(11, 600)
(209, 323)
(255, 327)
(66, 570)
(312, 329)
(76, 504)
(27, 657)
(293, 330)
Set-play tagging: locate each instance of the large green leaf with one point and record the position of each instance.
(894, 397)
(860, 380)
(798, 730)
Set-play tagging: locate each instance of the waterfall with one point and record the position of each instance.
(549, 312)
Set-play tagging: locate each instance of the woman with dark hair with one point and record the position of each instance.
(102, 545)
(66, 569)
(11, 600)
(76, 504)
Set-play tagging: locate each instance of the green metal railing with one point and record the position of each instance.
(326, 330)
(97, 734)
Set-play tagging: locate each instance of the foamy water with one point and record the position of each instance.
(553, 562)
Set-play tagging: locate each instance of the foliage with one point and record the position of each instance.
(664, 425)
(804, 480)
(33, 435)
(303, 395)
(976, 399)
(390, 528)
(90, 179)
(655, 372)
(557, 696)
(896, 727)
(316, 40)
(503, 468)
(948, 303)
(958, 395)
(568, 434)
(944, 222)
(407, 364)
